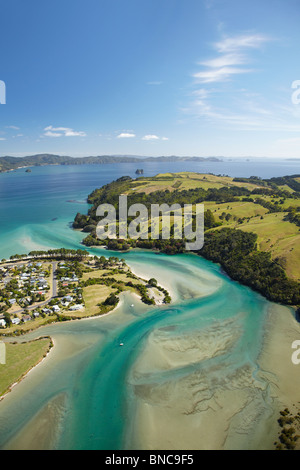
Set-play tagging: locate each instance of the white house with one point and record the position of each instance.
(76, 307)
(68, 298)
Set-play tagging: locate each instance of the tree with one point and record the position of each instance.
(112, 299)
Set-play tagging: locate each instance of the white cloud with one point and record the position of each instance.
(231, 56)
(2, 138)
(229, 105)
(150, 137)
(224, 61)
(12, 127)
(52, 134)
(125, 135)
(218, 74)
(51, 131)
(232, 44)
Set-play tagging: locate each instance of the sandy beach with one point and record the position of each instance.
(215, 409)
(276, 360)
(187, 390)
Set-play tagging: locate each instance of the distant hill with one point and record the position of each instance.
(12, 163)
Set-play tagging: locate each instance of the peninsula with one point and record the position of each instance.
(60, 285)
(251, 224)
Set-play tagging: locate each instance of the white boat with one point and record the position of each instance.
(121, 344)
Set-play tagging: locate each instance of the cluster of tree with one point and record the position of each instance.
(144, 294)
(105, 280)
(268, 205)
(237, 252)
(288, 181)
(111, 300)
(293, 216)
(253, 180)
(59, 253)
(289, 425)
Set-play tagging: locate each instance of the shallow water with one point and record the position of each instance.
(182, 362)
(188, 375)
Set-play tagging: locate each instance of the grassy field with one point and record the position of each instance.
(236, 209)
(184, 181)
(93, 295)
(279, 237)
(98, 293)
(20, 358)
(275, 235)
(26, 327)
(252, 204)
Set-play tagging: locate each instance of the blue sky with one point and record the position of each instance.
(150, 77)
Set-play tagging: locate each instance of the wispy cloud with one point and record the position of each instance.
(218, 97)
(51, 131)
(231, 56)
(237, 43)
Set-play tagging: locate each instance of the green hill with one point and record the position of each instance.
(265, 211)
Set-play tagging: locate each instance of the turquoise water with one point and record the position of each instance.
(102, 382)
(181, 360)
(36, 208)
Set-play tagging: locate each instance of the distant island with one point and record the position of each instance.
(13, 163)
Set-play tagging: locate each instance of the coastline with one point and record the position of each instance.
(26, 374)
(52, 341)
(203, 426)
(275, 361)
(279, 330)
(243, 415)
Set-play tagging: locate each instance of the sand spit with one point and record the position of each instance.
(208, 404)
(42, 431)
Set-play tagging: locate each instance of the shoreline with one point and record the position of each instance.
(275, 351)
(275, 361)
(52, 341)
(23, 376)
(230, 420)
